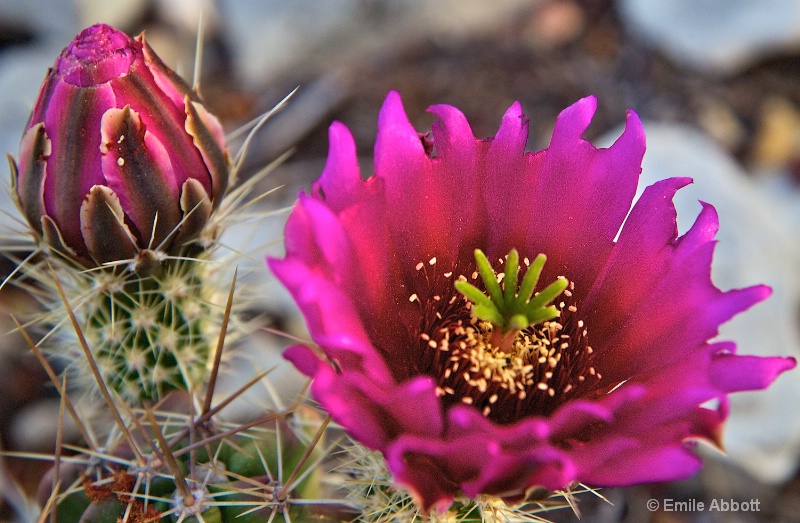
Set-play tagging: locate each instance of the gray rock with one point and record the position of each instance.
(48, 20)
(34, 427)
(271, 37)
(715, 35)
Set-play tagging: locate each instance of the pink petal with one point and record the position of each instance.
(640, 465)
(732, 373)
(583, 195)
(655, 285)
(340, 184)
(412, 183)
(458, 152)
(72, 122)
(509, 186)
(137, 168)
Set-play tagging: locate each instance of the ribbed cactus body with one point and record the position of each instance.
(150, 335)
(239, 478)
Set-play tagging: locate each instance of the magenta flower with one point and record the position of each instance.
(610, 386)
(119, 156)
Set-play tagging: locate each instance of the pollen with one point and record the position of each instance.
(545, 365)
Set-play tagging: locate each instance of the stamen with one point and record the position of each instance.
(529, 369)
(511, 308)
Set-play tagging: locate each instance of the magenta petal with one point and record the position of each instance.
(315, 234)
(654, 283)
(303, 358)
(452, 135)
(339, 187)
(380, 414)
(505, 473)
(583, 195)
(479, 462)
(411, 183)
(509, 180)
(731, 373)
(367, 226)
(458, 152)
(75, 155)
(576, 416)
(322, 230)
(340, 183)
(327, 309)
(414, 402)
(649, 230)
(151, 201)
(638, 465)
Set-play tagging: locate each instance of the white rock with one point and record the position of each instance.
(120, 13)
(35, 426)
(48, 20)
(757, 244)
(269, 37)
(720, 35)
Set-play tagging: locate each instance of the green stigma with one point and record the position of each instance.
(511, 309)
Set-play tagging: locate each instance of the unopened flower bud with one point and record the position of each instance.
(119, 157)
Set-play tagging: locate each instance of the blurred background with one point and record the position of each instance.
(717, 83)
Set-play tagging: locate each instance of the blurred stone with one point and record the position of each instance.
(35, 426)
(553, 24)
(777, 141)
(722, 124)
(259, 352)
(48, 20)
(122, 14)
(271, 37)
(187, 15)
(721, 36)
(757, 244)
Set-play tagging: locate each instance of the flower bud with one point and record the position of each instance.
(120, 160)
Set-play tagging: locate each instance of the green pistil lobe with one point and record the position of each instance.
(511, 309)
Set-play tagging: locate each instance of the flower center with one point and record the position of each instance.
(506, 369)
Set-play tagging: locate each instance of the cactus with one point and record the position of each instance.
(120, 170)
(138, 308)
(180, 468)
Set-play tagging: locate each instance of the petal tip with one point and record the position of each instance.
(573, 121)
(303, 359)
(392, 109)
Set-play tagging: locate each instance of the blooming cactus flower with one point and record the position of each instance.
(610, 385)
(119, 156)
